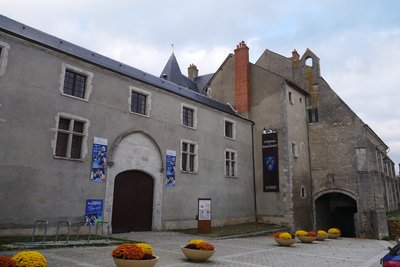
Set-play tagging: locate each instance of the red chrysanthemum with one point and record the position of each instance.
(6, 261)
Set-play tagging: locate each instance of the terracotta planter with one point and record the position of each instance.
(307, 239)
(197, 254)
(333, 236)
(285, 242)
(135, 263)
(322, 237)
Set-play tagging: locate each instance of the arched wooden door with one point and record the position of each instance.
(132, 202)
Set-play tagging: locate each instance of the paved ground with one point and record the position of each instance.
(246, 252)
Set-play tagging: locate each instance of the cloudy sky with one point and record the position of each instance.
(357, 41)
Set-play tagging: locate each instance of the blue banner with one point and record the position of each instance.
(170, 168)
(93, 211)
(99, 160)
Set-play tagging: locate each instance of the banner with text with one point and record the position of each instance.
(270, 162)
(170, 167)
(99, 160)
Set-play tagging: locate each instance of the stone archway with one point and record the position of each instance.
(336, 209)
(135, 151)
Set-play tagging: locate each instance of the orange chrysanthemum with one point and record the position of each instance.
(6, 261)
(128, 252)
(205, 246)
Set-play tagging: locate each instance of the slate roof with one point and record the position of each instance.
(30, 34)
(172, 73)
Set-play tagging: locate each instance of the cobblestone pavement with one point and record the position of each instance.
(249, 251)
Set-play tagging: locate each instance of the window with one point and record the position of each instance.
(290, 98)
(75, 82)
(71, 136)
(188, 156)
(295, 150)
(303, 192)
(313, 115)
(139, 101)
(230, 163)
(4, 47)
(229, 129)
(188, 117)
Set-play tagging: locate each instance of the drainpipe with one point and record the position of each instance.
(254, 174)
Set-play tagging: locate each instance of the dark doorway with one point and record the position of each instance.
(336, 210)
(133, 202)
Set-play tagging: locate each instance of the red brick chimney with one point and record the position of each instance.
(242, 78)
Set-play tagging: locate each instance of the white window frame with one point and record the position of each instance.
(233, 128)
(295, 150)
(3, 57)
(89, 79)
(84, 146)
(230, 161)
(195, 167)
(194, 116)
(148, 100)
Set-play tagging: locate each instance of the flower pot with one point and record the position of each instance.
(322, 237)
(197, 254)
(135, 263)
(285, 242)
(333, 236)
(307, 239)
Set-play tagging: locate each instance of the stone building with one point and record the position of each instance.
(86, 136)
(60, 102)
(334, 166)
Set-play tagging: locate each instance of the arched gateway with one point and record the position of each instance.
(133, 197)
(336, 210)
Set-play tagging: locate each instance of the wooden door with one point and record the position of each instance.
(133, 202)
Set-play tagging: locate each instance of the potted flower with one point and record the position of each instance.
(198, 250)
(134, 255)
(333, 233)
(6, 261)
(29, 258)
(306, 237)
(321, 235)
(284, 238)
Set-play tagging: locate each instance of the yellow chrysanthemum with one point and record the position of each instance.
(196, 241)
(321, 232)
(285, 235)
(29, 258)
(301, 233)
(334, 231)
(147, 249)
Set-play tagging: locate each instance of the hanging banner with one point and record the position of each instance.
(99, 160)
(93, 211)
(270, 162)
(170, 167)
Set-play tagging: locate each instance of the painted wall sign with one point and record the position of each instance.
(270, 162)
(204, 209)
(93, 211)
(170, 167)
(99, 160)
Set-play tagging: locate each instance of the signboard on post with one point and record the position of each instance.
(270, 161)
(204, 216)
